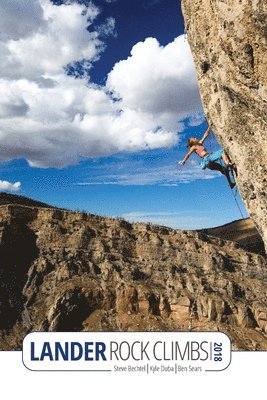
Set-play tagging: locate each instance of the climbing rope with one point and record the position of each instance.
(238, 206)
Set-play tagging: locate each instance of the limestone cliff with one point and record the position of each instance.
(70, 271)
(228, 42)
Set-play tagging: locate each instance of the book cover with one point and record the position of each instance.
(133, 197)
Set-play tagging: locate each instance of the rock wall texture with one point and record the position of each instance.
(228, 42)
(66, 271)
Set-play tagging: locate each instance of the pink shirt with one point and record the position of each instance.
(200, 149)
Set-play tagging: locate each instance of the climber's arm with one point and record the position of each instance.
(202, 140)
(193, 148)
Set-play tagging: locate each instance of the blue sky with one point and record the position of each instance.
(100, 99)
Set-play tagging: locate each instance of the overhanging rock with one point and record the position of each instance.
(228, 42)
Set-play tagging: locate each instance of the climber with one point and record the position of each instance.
(209, 159)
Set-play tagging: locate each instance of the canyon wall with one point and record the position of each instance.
(67, 271)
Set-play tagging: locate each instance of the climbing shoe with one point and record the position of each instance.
(232, 185)
(233, 168)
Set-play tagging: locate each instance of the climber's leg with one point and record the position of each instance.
(228, 162)
(226, 158)
(214, 166)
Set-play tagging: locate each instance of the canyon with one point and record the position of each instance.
(71, 271)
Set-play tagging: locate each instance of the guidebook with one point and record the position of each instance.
(132, 198)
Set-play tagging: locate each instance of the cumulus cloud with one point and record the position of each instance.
(62, 39)
(52, 119)
(13, 12)
(10, 187)
(12, 103)
(81, 121)
(158, 80)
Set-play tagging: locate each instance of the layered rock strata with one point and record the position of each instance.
(67, 271)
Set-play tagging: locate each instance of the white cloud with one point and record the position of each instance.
(62, 39)
(158, 80)
(12, 103)
(81, 121)
(54, 120)
(108, 28)
(13, 12)
(196, 119)
(170, 219)
(139, 175)
(10, 187)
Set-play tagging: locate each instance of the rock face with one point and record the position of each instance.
(228, 42)
(67, 271)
